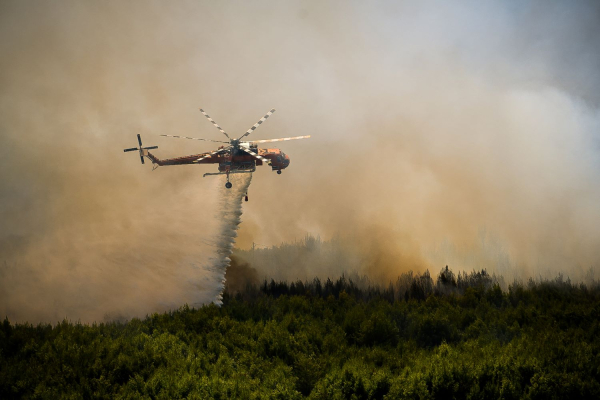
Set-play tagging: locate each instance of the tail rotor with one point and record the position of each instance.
(143, 150)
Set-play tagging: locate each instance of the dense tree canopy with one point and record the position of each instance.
(457, 337)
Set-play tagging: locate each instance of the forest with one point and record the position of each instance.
(452, 336)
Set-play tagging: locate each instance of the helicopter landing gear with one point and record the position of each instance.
(278, 172)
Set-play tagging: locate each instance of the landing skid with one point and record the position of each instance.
(232, 172)
(228, 185)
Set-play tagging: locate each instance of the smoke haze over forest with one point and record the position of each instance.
(464, 134)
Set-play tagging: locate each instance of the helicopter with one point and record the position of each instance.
(234, 156)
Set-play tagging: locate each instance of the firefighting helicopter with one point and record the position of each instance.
(235, 157)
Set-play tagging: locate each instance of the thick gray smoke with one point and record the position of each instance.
(460, 133)
(155, 264)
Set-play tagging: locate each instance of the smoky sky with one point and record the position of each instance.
(461, 133)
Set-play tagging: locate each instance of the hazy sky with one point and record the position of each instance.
(461, 133)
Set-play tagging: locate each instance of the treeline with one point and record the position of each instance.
(456, 337)
(409, 286)
(242, 280)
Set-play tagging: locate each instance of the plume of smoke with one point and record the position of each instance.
(240, 274)
(156, 264)
(430, 121)
(231, 215)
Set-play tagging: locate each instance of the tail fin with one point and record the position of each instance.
(144, 151)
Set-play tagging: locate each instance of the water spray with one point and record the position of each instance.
(230, 214)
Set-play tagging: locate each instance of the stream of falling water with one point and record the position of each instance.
(230, 214)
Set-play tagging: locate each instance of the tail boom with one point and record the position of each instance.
(192, 159)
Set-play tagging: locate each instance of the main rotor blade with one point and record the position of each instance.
(212, 154)
(142, 158)
(263, 119)
(193, 138)
(256, 155)
(150, 147)
(215, 124)
(279, 140)
(131, 149)
(140, 140)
